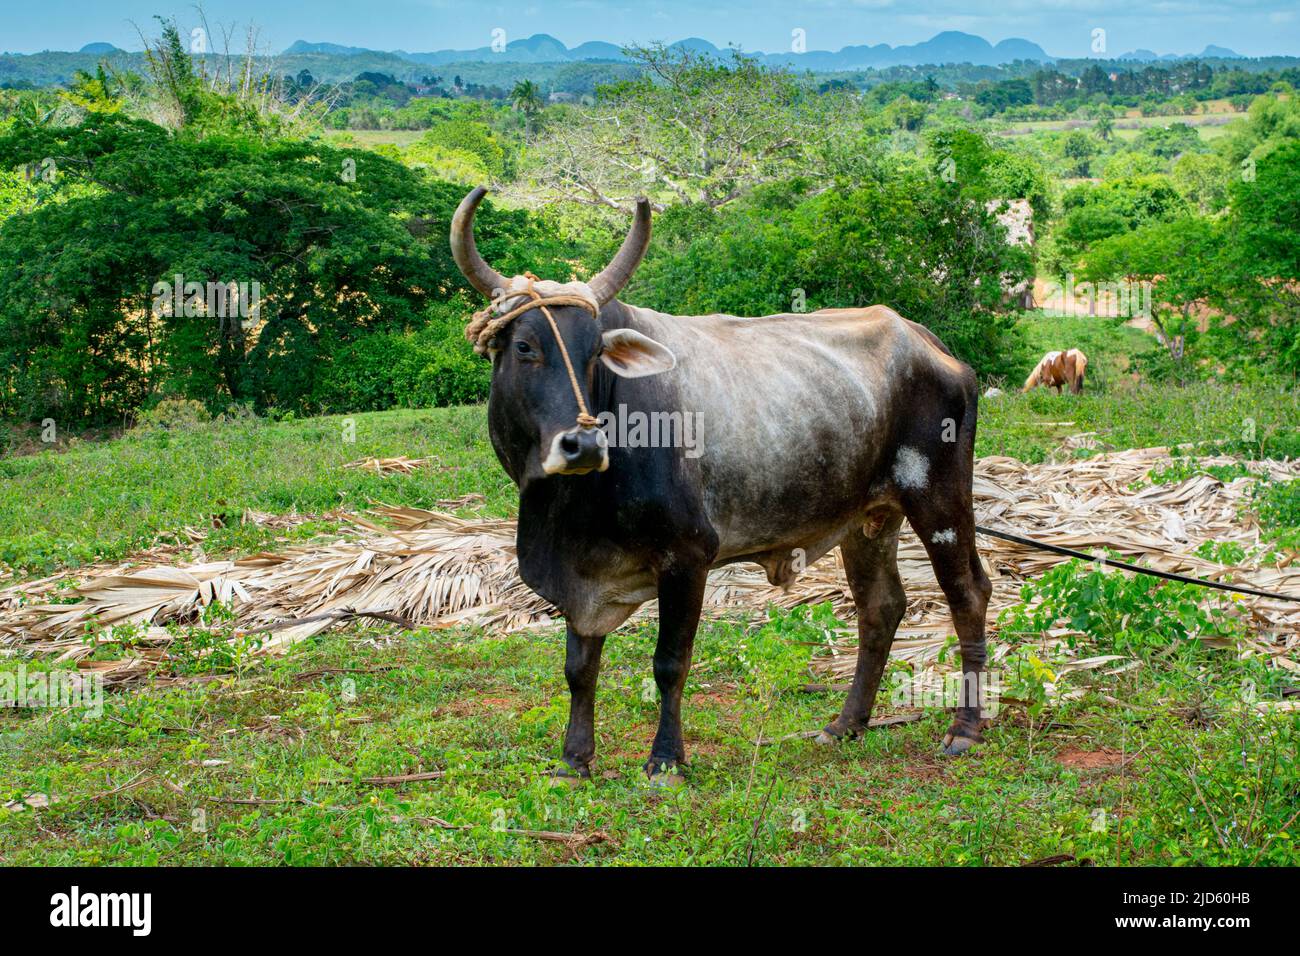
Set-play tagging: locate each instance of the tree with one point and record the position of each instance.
(1169, 141)
(1263, 237)
(1078, 148)
(906, 240)
(525, 98)
(689, 129)
(1104, 125)
(1091, 213)
(340, 242)
(1179, 261)
(1202, 179)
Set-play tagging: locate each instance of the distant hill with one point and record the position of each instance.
(949, 47)
(98, 48)
(1210, 52)
(302, 46)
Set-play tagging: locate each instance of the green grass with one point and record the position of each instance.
(1257, 420)
(374, 137)
(105, 500)
(268, 768)
(1209, 126)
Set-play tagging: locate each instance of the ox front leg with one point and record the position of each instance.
(581, 670)
(681, 595)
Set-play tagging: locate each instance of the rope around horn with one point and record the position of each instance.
(483, 328)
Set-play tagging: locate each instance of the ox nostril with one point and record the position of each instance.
(569, 444)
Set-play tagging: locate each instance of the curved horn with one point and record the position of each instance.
(614, 276)
(480, 275)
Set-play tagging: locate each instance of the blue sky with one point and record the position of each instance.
(1062, 27)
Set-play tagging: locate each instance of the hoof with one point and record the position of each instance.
(954, 744)
(666, 781)
(829, 735)
(664, 776)
(566, 776)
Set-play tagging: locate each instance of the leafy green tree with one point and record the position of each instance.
(341, 243)
(910, 242)
(984, 173)
(1202, 179)
(1168, 142)
(1092, 213)
(1079, 150)
(1271, 121)
(1179, 261)
(470, 136)
(1263, 232)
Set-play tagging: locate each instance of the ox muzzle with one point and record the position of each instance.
(577, 452)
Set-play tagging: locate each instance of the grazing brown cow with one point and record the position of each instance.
(1058, 369)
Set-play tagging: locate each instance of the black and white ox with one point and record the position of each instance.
(815, 430)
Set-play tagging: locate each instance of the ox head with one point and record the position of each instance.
(533, 407)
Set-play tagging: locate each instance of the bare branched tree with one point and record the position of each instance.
(248, 78)
(689, 129)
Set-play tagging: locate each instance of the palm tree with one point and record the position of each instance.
(1104, 126)
(526, 98)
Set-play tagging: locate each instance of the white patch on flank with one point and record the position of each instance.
(946, 536)
(911, 468)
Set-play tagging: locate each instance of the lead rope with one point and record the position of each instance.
(1137, 569)
(483, 328)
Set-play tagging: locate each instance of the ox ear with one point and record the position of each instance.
(630, 354)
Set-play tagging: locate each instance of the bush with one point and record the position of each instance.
(431, 367)
(1123, 613)
(173, 413)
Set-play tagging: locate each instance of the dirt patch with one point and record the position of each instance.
(1103, 759)
(471, 704)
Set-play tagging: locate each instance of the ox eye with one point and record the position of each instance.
(523, 348)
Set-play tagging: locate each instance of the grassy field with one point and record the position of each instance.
(84, 501)
(373, 137)
(279, 766)
(1209, 126)
(95, 501)
(284, 760)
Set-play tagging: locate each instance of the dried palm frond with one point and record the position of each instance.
(401, 465)
(439, 570)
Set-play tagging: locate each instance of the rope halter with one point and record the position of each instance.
(485, 325)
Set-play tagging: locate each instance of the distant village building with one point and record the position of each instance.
(561, 98)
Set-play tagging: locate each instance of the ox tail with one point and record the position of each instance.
(1080, 367)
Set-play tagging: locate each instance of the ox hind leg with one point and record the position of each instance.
(945, 523)
(871, 565)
